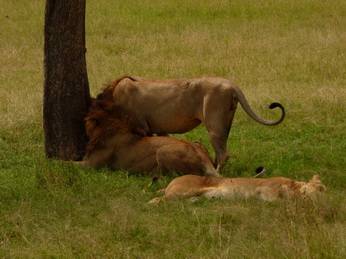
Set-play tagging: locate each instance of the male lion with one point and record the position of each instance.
(180, 105)
(271, 189)
(115, 141)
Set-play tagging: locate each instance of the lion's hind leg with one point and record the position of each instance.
(156, 200)
(182, 158)
(218, 113)
(191, 187)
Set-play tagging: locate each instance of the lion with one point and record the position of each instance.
(116, 142)
(179, 105)
(271, 189)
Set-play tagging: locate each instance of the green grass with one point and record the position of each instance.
(292, 52)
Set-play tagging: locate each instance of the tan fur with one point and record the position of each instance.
(180, 105)
(270, 189)
(116, 142)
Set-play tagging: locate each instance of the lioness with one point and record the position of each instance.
(270, 189)
(116, 142)
(180, 105)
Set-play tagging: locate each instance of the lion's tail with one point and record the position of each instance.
(244, 103)
(260, 170)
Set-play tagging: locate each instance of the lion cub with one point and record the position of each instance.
(271, 189)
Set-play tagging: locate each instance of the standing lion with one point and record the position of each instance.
(180, 105)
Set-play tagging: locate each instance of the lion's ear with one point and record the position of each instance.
(316, 179)
(100, 96)
(90, 125)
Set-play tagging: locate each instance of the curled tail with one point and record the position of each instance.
(244, 103)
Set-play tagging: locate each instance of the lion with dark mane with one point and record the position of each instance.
(180, 105)
(116, 142)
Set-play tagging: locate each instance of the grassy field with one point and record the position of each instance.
(292, 52)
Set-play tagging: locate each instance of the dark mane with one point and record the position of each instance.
(106, 119)
(107, 92)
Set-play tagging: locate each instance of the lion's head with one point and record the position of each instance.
(313, 187)
(106, 119)
(107, 93)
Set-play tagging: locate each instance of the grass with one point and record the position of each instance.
(292, 52)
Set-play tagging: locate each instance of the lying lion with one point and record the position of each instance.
(180, 105)
(272, 189)
(115, 142)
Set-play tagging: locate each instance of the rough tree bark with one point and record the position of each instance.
(66, 88)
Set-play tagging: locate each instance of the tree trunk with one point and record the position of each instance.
(66, 88)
